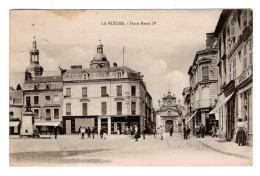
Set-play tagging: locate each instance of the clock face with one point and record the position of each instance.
(169, 102)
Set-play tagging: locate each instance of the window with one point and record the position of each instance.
(103, 91)
(234, 68)
(68, 92)
(56, 98)
(119, 74)
(48, 113)
(133, 90)
(36, 112)
(11, 114)
(84, 91)
(36, 86)
(205, 73)
(119, 90)
(119, 108)
(133, 108)
(230, 71)
(103, 108)
(250, 52)
(56, 113)
(47, 85)
(245, 49)
(232, 27)
(36, 99)
(47, 99)
(68, 108)
(84, 109)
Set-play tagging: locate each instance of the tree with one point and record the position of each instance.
(18, 87)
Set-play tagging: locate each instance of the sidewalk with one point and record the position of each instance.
(226, 147)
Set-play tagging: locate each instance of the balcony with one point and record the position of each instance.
(204, 103)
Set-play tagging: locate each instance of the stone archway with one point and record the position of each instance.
(168, 125)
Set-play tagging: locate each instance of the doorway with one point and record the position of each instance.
(168, 125)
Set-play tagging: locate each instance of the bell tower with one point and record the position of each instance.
(34, 68)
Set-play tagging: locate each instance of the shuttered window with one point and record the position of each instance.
(36, 99)
(205, 73)
(103, 91)
(56, 113)
(133, 108)
(119, 108)
(84, 92)
(119, 90)
(103, 108)
(84, 109)
(68, 109)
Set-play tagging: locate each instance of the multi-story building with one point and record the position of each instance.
(43, 94)
(104, 96)
(15, 110)
(234, 32)
(169, 114)
(203, 84)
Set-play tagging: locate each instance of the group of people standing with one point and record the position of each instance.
(186, 132)
(87, 131)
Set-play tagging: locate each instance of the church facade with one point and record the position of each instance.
(169, 114)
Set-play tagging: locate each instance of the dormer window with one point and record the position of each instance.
(119, 74)
(36, 86)
(48, 85)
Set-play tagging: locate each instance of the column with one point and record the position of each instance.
(109, 125)
(99, 125)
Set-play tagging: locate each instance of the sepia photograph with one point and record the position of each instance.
(139, 88)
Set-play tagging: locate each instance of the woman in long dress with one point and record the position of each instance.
(241, 133)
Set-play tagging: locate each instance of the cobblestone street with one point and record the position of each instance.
(122, 151)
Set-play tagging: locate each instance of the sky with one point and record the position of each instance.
(162, 52)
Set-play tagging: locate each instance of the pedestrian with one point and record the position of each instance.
(88, 131)
(82, 132)
(55, 132)
(136, 133)
(241, 132)
(101, 133)
(93, 132)
(184, 132)
(154, 132)
(161, 132)
(118, 130)
(188, 132)
(214, 131)
(171, 131)
(202, 130)
(104, 133)
(144, 130)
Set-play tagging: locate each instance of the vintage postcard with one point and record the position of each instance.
(131, 87)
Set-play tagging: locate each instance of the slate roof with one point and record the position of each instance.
(44, 79)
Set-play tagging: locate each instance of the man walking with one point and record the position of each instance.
(101, 133)
(184, 132)
(143, 133)
(93, 132)
(171, 131)
(55, 132)
(188, 132)
(88, 131)
(82, 132)
(202, 130)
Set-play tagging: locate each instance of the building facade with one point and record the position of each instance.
(15, 110)
(234, 32)
(169, 114)
(203, 85)
(186, 110)
(114, 98)
(43, 94)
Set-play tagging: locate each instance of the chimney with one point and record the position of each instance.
(115, 64)
(28, 75)
(210, 40)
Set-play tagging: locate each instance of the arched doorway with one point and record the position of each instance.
(168, 125)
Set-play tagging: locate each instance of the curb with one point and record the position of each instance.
(223, 152)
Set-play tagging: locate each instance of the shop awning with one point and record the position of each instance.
(48, 123)
(14, 123)
(220, 104)
(191, 116)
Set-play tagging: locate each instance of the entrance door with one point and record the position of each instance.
(68, 126)
(230, 119)
(168, 125)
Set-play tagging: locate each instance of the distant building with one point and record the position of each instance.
(114, 98)
(234, 32)
(44, 94)
(169, 114)
(15, 110)
(203, 85)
